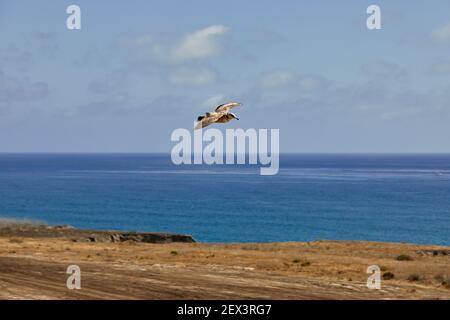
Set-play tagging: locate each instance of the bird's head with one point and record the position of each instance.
(233, 116)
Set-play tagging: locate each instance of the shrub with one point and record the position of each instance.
(388, 276)
(174, 253)
(413, 277)
(404, 257)
(250, 247)
(439, 278)
(14, 240)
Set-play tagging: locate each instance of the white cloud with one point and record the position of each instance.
(309, 83)
(276, 79)
(213, 101)
(19, 92)
(313, 82)
(200, 44)
(192, 76)
(383, 70)
(281, 79)
(177, 61)
(441, 67)
(143, 48)
(441, 34)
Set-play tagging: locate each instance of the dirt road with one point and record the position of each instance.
(36, 269)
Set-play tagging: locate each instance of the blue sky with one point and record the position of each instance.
(139, 69)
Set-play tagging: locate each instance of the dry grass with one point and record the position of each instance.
(19, 223)
(331, 266)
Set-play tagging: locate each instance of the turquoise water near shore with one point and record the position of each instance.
(315, 196)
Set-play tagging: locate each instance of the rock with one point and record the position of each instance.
(441, 252)
(63, 226)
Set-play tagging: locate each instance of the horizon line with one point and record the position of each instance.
(168, 153)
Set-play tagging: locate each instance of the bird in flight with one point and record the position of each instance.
(222, 114)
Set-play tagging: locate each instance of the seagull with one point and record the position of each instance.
(220, 115)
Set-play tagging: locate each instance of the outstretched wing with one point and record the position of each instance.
(208, 119)
(224, 119)
(227, 106)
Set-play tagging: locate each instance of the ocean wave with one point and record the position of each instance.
(193, 171)
(332, 173)
(305, 173)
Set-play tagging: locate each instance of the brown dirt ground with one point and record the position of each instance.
(32, 268)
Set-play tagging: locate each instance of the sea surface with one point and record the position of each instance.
(399, 198)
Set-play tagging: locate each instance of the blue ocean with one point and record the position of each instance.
(398, 198)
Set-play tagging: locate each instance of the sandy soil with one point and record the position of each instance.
(35, 268)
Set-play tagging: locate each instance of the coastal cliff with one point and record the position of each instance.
(79, 235)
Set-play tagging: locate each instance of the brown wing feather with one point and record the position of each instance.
(227, 106)
(207, 120)
(224, 119)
